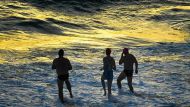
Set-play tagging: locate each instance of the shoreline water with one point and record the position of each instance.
(27, 51)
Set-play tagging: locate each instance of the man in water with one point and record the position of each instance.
(128, 60)
(62, 66)
(108, 66)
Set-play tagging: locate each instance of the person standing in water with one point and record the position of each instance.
(108, 66)
(128, 60)
(62, 66)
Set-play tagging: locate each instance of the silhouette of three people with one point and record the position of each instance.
(63, 65)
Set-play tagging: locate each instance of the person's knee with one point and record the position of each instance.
(118, 80)
(109, 83)
(60, 91)
(102, 79)
(60, 87)
(68, 83)
(129, 84)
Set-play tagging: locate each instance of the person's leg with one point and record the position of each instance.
(68, 84)
(129, 79)
(109, 86)
(120, 78)
(60, 89)
(103, 85)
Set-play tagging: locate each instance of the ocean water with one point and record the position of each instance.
(31, 35)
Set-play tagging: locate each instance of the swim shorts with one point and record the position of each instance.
(63, 77)
(108, 74)
(128, 72)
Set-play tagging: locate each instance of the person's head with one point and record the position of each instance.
(126, 51)
(108, 51)
(61, 52)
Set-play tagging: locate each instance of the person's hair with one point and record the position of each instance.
(108, 51)
(61, 52)
(125, 51)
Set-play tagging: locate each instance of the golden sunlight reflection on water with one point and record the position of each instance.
(137, 31)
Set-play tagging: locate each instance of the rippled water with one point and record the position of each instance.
(26, 54)
(162, 82)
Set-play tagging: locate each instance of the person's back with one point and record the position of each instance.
(62, 65)
(128, 61)
(108, 63)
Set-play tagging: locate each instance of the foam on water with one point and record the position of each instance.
(27, 51)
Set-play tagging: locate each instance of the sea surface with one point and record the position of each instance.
(156, 33)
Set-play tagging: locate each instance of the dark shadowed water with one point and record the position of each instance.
(156, 33)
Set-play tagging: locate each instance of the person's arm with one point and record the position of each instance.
(103, 64)
(114, 65)
(136, 65)
(53, 65)
(121, 59)
(69, 65)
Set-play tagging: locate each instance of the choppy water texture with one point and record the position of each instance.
(31, 33)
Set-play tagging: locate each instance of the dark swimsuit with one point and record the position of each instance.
(108, 74)
(128, 72)
(63, 77)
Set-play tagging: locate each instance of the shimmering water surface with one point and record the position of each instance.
(31, 33)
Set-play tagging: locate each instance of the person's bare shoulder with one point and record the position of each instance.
(131, 55)
(55, 60)
(112, 58)
(66, 59)
(104, 58)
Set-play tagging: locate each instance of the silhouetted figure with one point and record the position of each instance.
(108, 66)
(62, 66)
(128, 60)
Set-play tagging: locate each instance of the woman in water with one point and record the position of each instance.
(108, 66)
